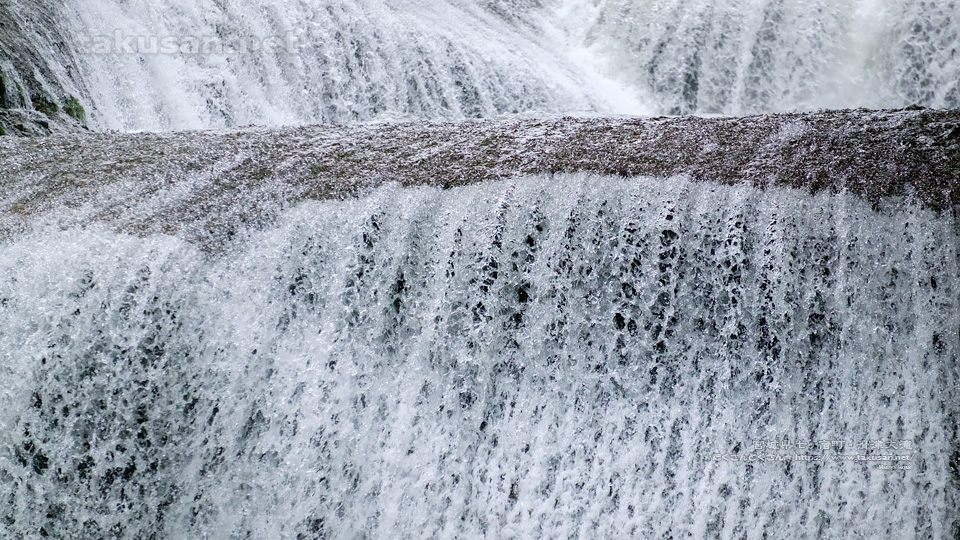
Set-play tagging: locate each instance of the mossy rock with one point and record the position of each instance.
(75, 110)
(45, 105)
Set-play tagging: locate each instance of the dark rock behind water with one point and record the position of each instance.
(206, 185)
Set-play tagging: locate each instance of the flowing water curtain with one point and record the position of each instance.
(923, 61)
(536, 356)
(723, 57)
(101, 394)
(756, 56)
(329, 62)
(322, 61)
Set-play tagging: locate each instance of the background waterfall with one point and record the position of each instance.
(755, 56)
(356, 60)
(556, 356)
(454, 59)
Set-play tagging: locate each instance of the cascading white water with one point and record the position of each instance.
(313, 61)
(547, 357)
(329, 62)
(757, 56)
(571, 356)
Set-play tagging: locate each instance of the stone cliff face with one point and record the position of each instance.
(41, 93)
(203, 184)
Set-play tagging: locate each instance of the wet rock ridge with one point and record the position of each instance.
(196, 184)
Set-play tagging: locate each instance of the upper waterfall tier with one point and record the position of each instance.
(191, 65)
(753, 56)
(183, 64)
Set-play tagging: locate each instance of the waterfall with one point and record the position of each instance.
(291, 62)
(573, 355)
(755, 56)
(393, 278)
(177, 64)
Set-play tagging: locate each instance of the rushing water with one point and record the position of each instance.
(178, 64)
(571, 356)
(550, 356)
(754, 56)
(329, 62)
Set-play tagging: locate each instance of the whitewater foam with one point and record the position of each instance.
(550, 356)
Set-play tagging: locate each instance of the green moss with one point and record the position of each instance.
(74, 109)
(45, 105)
(3, 132)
